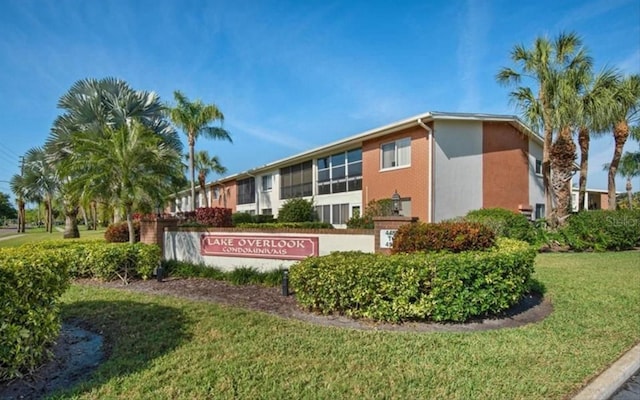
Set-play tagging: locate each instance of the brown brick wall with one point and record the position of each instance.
(410, 182)
(505, 166)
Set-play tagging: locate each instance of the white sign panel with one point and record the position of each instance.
(386, 238)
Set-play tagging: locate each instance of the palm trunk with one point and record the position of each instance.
(563, 154)
(85, 218)
(583, 140)
(132, 233)
(71, 223)
(192, 172)
(629, 193)
(202, 182)
(620, 135)
(546, 176)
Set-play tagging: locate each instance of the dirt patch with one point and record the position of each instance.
(270, 300)
(76, 354)
(79, 351)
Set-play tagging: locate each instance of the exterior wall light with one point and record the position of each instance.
(395, 201)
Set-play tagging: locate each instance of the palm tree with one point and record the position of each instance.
(20, 190)
(194, 117)
(628, 168)
(544, 63)
(625, 111)
(593, 107)
(41, 181)
(205, 165)
(97, 106)
(132, 163)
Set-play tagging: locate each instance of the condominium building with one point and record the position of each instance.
(441, 164)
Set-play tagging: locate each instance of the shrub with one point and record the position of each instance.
(504, 223)
(31, 283)
(240, 276)
(451, 236)
(601, 230)
(375, 208)
(431, 286)
(288, 225)
(119, 232)
(241, 218)
(297, 210)
(214, 216)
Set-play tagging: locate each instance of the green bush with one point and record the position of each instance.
(419, 286)
(240, 276)
(119, 233)
(505, 223)
(288, 225)
(31, 283)
(451, 236)
(601, 230)
(375, 208)
(241, 218)
(297, 210)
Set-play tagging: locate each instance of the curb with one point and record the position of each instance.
(607, 383)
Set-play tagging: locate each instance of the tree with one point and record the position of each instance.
(7, 210)
(19, 189)
(98, 107)
(205, 165)
(40, 182)
(625, 112)
(133, 164)
(544, 64)
(193, 118)
(629, 166)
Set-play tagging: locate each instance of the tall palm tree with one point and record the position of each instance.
(544, 63)
(96, 106)
(625, 111)
(206, 165)
(20, 190)
(194, 117)
(132, 163)
(41, 181)
(593, 107)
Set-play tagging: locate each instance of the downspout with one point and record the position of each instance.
(256, 193)
(431, 164)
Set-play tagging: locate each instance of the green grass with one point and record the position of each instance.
(38, 235)
(168, 348)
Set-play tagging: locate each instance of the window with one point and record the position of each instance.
(266, 211)
(341, 172)
(266, 183)
(396, 154)
(538, 167)
(246, 191)
(296, 180)
(215, 193)
(336, 214)
(540, 211)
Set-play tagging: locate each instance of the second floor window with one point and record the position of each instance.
(395, 154)
(246, 191)
(340, 172)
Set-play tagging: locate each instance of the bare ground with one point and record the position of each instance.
(78, 351)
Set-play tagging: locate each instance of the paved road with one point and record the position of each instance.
(8, 231)
(630, 390)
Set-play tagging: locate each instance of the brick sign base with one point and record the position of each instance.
(278, 247)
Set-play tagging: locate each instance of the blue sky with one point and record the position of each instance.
(291, 75)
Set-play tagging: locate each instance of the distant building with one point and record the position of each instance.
(442, 165)
(594, 199)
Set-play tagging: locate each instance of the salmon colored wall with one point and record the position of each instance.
(410, 182)
(505, 166)
(604, 201)
(230, 192)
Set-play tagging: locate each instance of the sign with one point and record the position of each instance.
(279, 247)
(386, 238)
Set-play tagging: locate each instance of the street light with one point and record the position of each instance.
(395, 201)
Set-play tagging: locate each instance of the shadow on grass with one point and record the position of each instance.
(134, 335)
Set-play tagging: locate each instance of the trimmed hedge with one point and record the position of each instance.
(419, 286)
(119, 233)
(601, 230)
(214, 216)
(288, 225)
(297, 210)
(504, 223)
(31, 283)
(451, 236)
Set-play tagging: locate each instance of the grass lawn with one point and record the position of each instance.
(169, 348)
(39, 234)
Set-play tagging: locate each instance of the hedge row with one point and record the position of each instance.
(419, 286)
(601, 230)
(451, 236)
(504, 223)
(30, 284)
(119, 232)
(104, 261)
